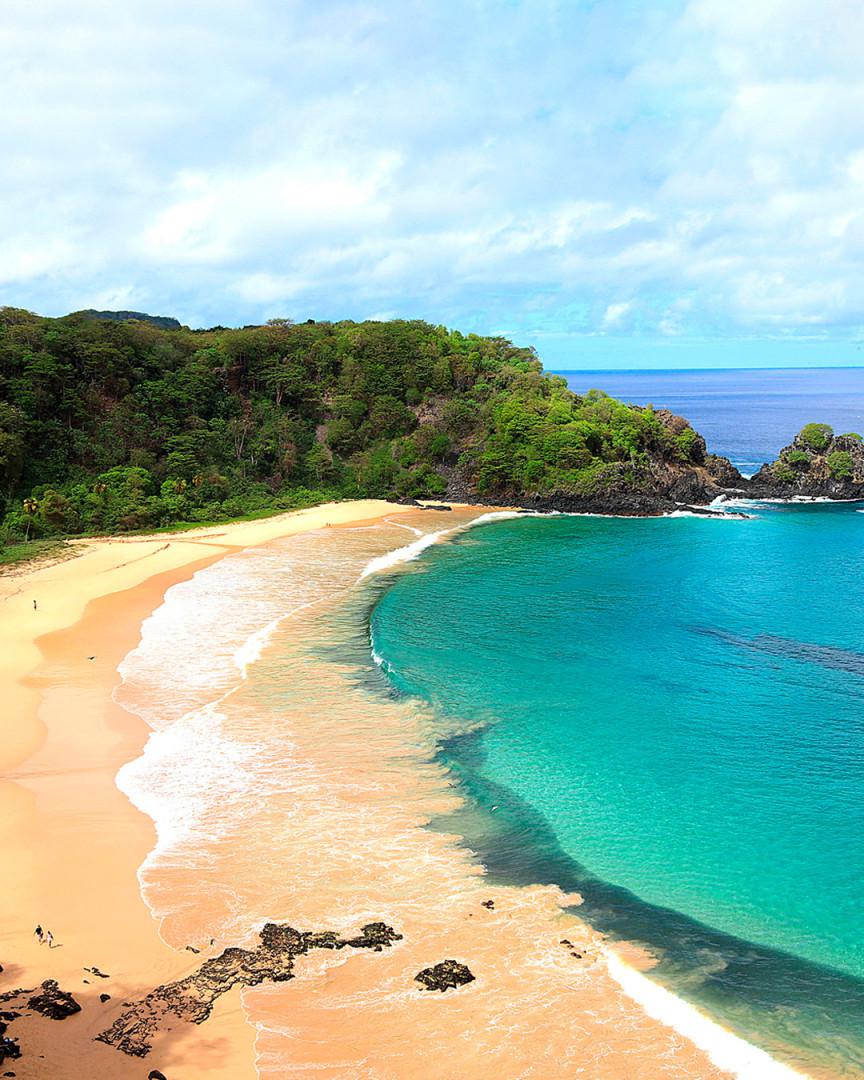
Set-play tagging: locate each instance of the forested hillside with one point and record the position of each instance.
(122, 425)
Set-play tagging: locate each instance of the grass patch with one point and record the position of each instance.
(32, 551)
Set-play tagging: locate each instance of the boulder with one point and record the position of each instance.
(53, 1002)
(448, 975)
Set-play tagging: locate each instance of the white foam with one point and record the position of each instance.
(407, 528)
(718, 516)
(726, 1050)
(379, 660)
(792, 500)
(254, 645)
(413, 551)
(403, 554)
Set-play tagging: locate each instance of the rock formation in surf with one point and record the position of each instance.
(191, 999)
(448, 975)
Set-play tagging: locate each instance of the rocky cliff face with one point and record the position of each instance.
(817, 464)
(657, 482)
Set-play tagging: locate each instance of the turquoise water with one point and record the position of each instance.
(667, 715)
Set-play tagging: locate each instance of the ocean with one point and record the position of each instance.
(402, 719)
(667, 716)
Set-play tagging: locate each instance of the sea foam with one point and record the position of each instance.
(414, 550)
(726, 1050)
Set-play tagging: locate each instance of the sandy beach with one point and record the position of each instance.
(72, 845)
(71, 841)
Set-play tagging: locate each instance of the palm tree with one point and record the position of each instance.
(30, 508)
(180, 486)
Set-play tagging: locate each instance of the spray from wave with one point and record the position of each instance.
(413, 551)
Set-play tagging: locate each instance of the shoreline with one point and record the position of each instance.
(626, 961)
(52, 779)
(72, 843)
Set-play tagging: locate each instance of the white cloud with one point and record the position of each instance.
(615, 313)
(480, 163)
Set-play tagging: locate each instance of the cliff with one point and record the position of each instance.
(673, 469)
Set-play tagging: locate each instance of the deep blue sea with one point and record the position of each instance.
(745, 415)
(667, 716)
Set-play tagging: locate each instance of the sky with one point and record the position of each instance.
(617, 183)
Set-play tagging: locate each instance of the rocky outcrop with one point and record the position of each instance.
(53, 1002)
(817, 464)
(448, 975)
(658, 482)
(50, 1001)
(191, 999)
(9, 1048)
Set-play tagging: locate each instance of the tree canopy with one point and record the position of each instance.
(123, 425)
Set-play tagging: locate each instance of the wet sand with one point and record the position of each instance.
(72, 843)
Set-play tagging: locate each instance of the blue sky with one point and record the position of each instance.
(617, 183)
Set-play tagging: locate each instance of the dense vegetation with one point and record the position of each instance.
(110, 425)
(817, 454)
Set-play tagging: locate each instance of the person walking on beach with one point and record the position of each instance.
(34, 605)
(49, 937)
(39, 934)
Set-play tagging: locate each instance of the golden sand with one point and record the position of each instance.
(71, 844)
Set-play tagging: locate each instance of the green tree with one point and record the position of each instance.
(816, 436)
(840, 464)
(30, 508)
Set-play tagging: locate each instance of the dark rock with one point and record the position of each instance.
(447, 975)
(488, 904)
(191, 999)
(53, 1002)
(104, 997)
(9, 1048)
(375, 935)
(192, 949)
(407, 500)
(804, 471)
(99, 974)
(154, 1074)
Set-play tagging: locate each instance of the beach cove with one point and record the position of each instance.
(72, 843)
(314, 816)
